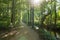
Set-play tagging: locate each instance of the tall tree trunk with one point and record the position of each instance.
(55, 15)
(55, 12)
(28, 18)
(32, 16)
(13, 12)
(28, 15)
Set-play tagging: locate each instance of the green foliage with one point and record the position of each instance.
(4, 15)
(45, 35)
(20, 11)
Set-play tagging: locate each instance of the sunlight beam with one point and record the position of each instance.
(47, 0)
(35, 2)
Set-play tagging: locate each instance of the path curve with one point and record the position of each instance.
(26, 33)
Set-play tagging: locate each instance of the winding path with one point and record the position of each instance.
(26, 33)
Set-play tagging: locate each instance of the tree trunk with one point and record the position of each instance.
(32, 16)
(13, 13)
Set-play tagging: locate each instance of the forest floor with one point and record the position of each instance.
(22, 33)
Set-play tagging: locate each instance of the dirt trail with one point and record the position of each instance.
(26, 33)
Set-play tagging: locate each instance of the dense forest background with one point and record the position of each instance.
(44, 16)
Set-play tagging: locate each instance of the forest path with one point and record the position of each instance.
(26, 33)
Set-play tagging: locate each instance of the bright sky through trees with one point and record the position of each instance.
(36, 2)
